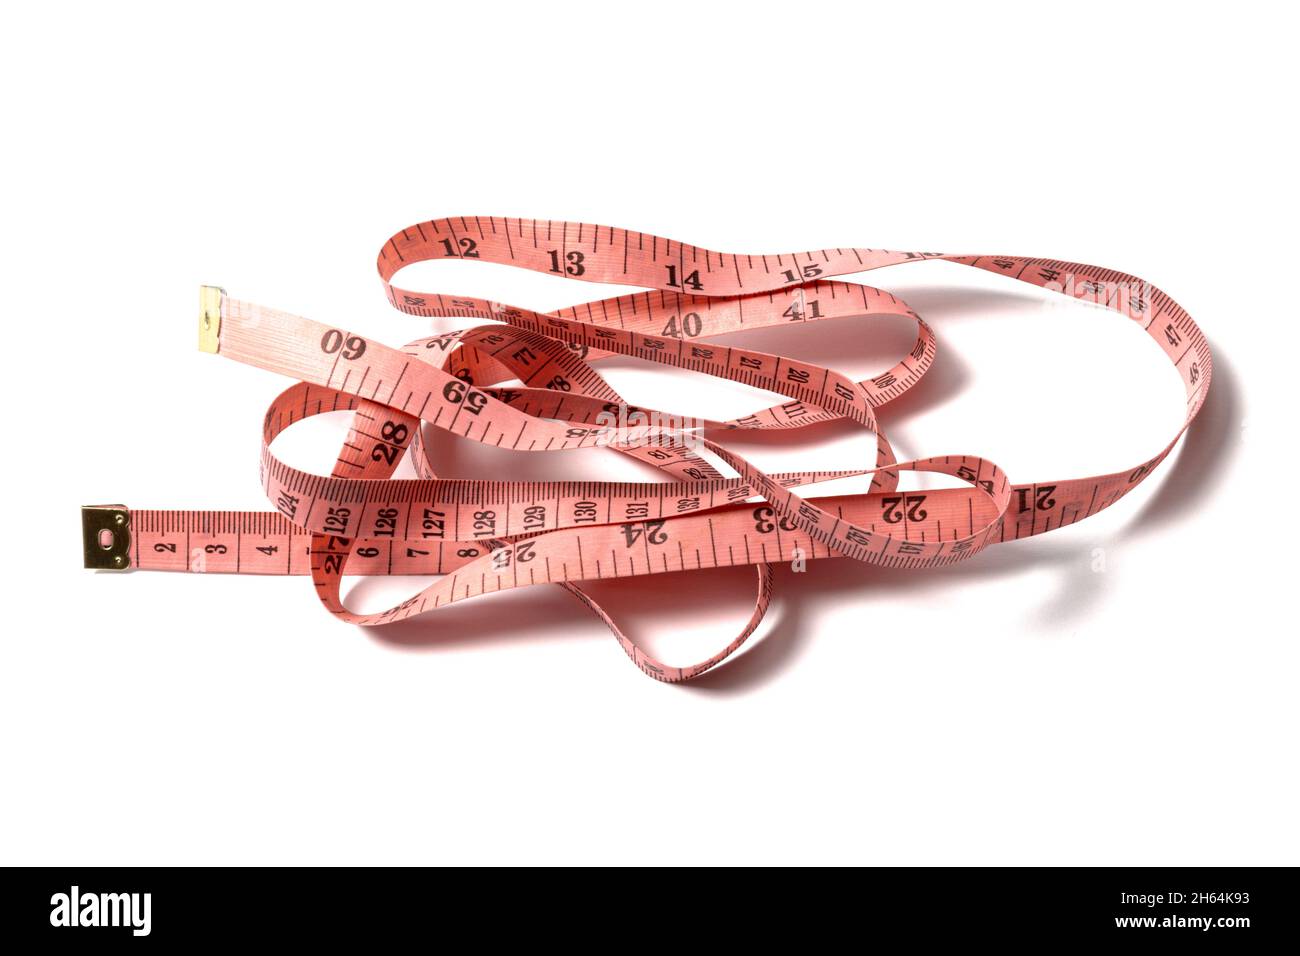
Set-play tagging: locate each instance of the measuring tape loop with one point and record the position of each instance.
(529, 381)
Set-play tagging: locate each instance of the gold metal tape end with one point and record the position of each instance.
(106, 537)
(210, 297)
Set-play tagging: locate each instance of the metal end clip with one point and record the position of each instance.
(106, 537)
(210, 297)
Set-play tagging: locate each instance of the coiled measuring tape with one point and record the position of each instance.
(529, 382)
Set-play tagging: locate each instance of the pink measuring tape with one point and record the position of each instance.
(529, 381)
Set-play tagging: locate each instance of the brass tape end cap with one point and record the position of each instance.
(106, 537)
(210, 297)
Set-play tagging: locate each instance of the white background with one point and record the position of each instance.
(1024, 707)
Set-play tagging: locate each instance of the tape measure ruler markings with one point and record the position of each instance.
(531, 383)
